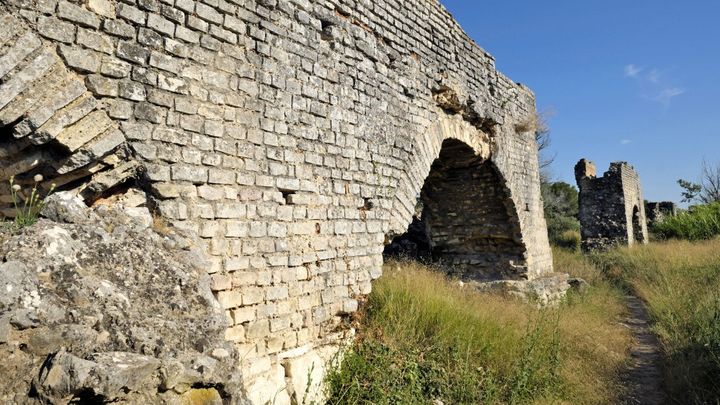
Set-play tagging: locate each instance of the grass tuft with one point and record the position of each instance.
(425, 337)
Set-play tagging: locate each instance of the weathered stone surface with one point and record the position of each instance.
(81, 59)
(84, 130)
(612, 209)
(47, 106)
(77, 297)
(92, 151)
(544, 291)
(21, 49)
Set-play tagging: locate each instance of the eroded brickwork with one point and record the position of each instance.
(612, 209)
(293, 136)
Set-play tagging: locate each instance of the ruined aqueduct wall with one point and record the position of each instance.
(293, 136)
(611, 207)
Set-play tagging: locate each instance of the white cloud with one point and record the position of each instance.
(654, 76)
(632, 70)
(625, 141)
(654, 84)
(666, 95)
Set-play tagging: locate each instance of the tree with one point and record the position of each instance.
(710, 183)
(691, 190)
(542, 138)
(560, 199)
(561, 211)
(708, 190)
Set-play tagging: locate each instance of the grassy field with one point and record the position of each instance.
(680, 281)
(424, 337)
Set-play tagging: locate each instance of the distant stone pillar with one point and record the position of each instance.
(611, 208)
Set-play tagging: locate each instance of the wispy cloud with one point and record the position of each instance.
(632, 70)
(655, 84)
(666, 95)
(654, 76)
(625, 141)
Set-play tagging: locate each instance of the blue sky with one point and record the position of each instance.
(636, 80)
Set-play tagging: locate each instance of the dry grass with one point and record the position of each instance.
(161, 226)
(595, 344)
(425, 337)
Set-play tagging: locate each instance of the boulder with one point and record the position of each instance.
(98, 307)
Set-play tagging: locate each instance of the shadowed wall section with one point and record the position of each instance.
(471, 218)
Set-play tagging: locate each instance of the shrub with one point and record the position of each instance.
(699, 223)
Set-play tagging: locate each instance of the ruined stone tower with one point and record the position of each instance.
(612, 210)
(293, 136)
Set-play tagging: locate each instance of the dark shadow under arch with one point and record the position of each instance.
(638, 236)
(465, 219)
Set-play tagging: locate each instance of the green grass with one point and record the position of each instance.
(680, 282)
(424, 337)
(700, 223)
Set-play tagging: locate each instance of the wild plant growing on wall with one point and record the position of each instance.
(27, 212)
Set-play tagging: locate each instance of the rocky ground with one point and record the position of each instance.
(98, 305)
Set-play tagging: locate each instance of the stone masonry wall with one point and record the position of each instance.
(293, 136)
(611, 207)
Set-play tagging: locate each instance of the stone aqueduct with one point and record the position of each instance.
(295, 137)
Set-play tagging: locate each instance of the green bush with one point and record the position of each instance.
(569, 240)
(699, 223)
(561, 210)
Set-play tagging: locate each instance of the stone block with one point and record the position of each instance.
(132, 52)
(102, 86)
(252, 295)
(78, 15)
(235, 334)
(229, 299)
(104, 8)
(94, 40)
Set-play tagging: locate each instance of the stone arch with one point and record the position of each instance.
(427, 149)
(637, 228)
(463, 215)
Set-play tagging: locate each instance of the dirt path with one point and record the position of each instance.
(644, 378)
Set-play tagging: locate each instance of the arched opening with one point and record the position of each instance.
(465, 219)
(638, 236)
